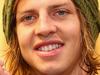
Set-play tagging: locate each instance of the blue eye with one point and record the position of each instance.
(26, 18)
(61, 13)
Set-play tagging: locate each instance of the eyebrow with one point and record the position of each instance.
(53, 6)
(58, 5)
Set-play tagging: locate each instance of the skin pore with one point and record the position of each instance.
(49, 36)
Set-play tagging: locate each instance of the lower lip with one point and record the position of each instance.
(50, 53)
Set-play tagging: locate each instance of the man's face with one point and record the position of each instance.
(49, 35)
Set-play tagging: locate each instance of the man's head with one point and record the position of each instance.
(45, 26)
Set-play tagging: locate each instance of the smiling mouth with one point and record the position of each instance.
(48, 46)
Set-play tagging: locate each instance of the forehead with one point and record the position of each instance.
(37, 4)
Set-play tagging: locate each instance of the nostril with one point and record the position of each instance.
(46, 35)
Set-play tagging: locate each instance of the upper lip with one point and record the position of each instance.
(44, 43)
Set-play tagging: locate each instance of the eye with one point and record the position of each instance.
(60, 13)
(28, 19)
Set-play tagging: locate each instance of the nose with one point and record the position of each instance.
(45, 27)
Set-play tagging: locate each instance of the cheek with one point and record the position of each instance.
(24, 36)
(73, 25)
(70, 29)
(25, 43)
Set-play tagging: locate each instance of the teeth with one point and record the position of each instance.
(49, 47)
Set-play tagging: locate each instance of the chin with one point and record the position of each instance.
(52, 70)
